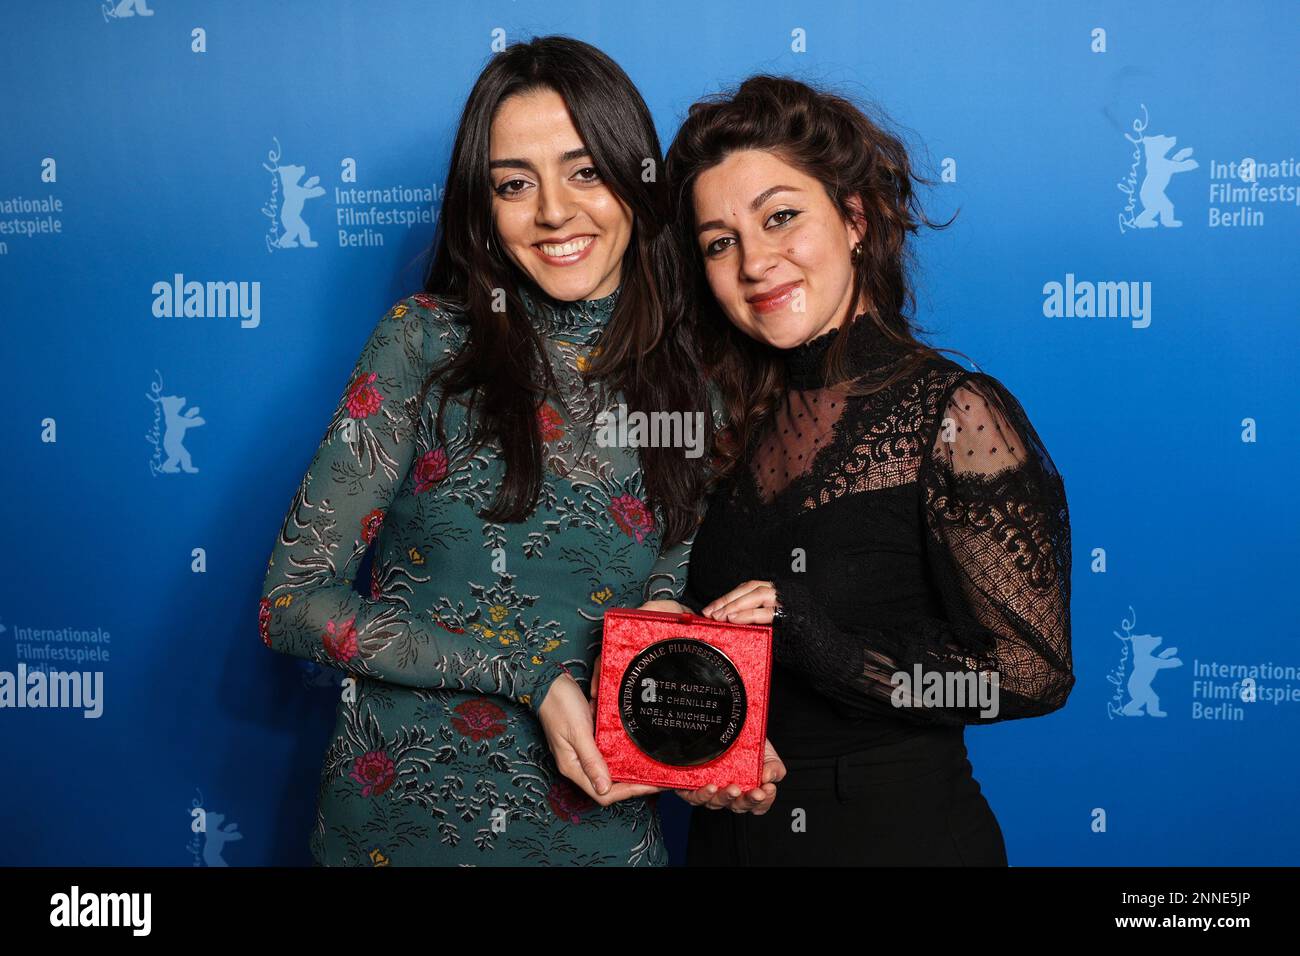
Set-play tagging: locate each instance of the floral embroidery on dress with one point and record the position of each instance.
(431, 469)
(437, 756)
(479, 719)
(370, 525)
(341, 640)
(375, 772)
(550, 422)
(568, 802)
(363, 398)
(632, 516)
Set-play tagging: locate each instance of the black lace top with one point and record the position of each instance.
(922, 527)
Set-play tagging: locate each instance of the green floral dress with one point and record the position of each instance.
(437, 756)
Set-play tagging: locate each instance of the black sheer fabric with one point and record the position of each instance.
(923, 525)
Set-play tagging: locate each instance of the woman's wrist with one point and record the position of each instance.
(544, 679)
(791, 595)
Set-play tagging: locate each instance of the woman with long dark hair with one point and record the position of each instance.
(894, 516)
(464, 451)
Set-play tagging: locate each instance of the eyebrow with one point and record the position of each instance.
(565, 157)
(755, 204)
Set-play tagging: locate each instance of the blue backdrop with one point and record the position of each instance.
(1124, 260)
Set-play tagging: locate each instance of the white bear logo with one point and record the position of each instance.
(127, 8)
(176, 425)
(217, 836)
(1145, 666)
(1160, 168)
(296, 231)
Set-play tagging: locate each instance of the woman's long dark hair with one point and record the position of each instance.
(832, 140)
(648, 351)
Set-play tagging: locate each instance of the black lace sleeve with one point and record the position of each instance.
(998, 544)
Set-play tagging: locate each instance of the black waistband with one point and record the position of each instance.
(915, 757)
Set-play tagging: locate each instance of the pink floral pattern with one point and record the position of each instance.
(375, 772)
(479, 719)
(370, 525)
(341, 640)
(430, 470)
(550, 422)
(632, 517)
(363, 399)
(264, 620)
(452, 651)
(567, 801)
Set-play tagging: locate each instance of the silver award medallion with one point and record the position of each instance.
(682, 702)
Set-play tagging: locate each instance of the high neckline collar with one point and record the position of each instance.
(869, 350)
(581, 319)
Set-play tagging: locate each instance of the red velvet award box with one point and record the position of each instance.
(682, 699)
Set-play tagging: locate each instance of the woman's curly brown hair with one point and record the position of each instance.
(832, 140)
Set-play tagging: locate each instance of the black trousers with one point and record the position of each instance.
(909, 803)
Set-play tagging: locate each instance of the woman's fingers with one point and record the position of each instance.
(615, 793)
(735, 593)
(742, 803)
(746, 601)
(763, 799)
(773, 765)
(724, 797)
(586, 774)
(592, 765)
(566, 719)
(755, 607)
(711, 609)
(758, 615)
(623, 791)
(731, 607)
(589, 758)
(667, 607)
(570, 765)
(698, 797)
(757, 801)
(566, 761)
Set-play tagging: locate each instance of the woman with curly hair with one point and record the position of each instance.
(894, 515)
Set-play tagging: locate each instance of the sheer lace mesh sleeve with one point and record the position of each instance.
(998, 545)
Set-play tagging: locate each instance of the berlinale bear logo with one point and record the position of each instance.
(168, 432)
(1160, 169)
(289, 194)
(126, 8)
(1146, 664)
(296, 230)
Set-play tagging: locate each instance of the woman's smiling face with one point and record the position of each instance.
(555, 217)
(777, 252)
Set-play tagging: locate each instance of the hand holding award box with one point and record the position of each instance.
(682, 699)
